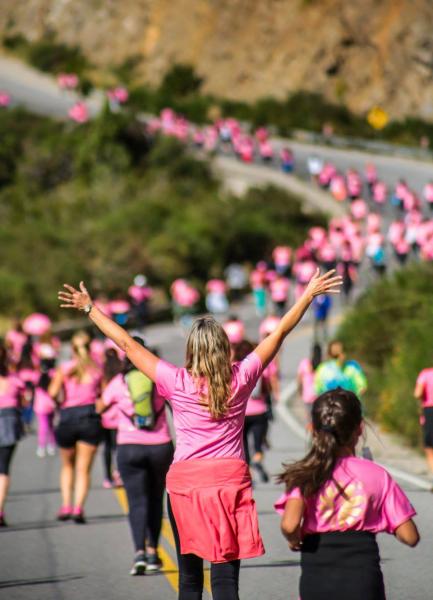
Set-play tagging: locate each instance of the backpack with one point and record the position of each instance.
(329, 375)
(141, 390)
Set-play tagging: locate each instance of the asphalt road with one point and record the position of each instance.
(41, 559)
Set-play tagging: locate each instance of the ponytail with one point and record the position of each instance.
(81, 347)
(336, 417)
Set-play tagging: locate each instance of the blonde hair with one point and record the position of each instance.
(81, 347)
(208, 362)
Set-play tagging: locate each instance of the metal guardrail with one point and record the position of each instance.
(373, 146)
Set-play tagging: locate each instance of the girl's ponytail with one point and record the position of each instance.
(336, 418)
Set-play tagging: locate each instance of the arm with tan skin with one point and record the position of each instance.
(419, 391)
(407, 533)
(142, 358)
(291, 523)
(56, 384)
(319, 284)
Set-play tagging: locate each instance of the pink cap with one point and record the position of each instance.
(235, 331)
(268, 325)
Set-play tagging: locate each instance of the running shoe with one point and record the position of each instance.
(40, 452)
(139, 566)
(107, 484)
(117, 480)
(154, 563)
(51, 450)
(78, 515)
(2, 520)
(64, 513)
(264, 477)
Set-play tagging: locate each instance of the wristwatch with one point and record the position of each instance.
(88, 308)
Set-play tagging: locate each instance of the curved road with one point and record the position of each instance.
(41, 559)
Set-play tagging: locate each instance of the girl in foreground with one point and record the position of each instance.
(210, 501)
(335, 504)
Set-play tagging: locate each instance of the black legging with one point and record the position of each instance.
(109, 439)
(256, 426)
(6, 453)
(143, 469)
(224, 576)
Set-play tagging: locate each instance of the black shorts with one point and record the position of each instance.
(428, 427)
(6, 453)
(78, 424)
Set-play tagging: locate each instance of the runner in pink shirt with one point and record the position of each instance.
(143, 456)
(216, 297)
(256, 416)
(428, 194)
(112, 366)
(141, 295)
(15, 341)
(380, 193)
(11, 399)
(234, 329)
(282, 257)
(44, 407)
(424, 393)
(305, 378)
(79, 430)
(354, 184)
(279, 290)
(209, 475)
(258, 285)
(336, 503)
(370, 175)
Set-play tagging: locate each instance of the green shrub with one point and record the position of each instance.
(390, 331)
(101, 202)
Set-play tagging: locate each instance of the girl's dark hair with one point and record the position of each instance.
(336, 417)
(316, 355)
(242, 349)
(4, 369)
(127, 364)
(112, 364)
(44, 380)
(26, 358)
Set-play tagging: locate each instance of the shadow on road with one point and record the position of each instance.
(11, 583)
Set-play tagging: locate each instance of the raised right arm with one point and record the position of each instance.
(142, 358)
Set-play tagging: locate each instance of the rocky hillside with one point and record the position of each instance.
(360, 53)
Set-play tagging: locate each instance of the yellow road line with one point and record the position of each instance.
(170, 568)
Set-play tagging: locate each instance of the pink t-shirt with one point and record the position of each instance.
(372, 500)
(198, 435)
(10, 389)
(425, 378)
(80, 393)
(16, 340)
(306, 375)
(256, 404)
(282, 255)
(43, 404)
(116, 393)
(280, 289)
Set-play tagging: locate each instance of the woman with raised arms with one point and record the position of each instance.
(210, 502)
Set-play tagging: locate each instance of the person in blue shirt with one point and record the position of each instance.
(321, 309)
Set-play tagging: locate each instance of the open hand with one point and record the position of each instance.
(73, 298)
(324, 284)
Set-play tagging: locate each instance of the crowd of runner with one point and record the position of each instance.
(119, 392)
